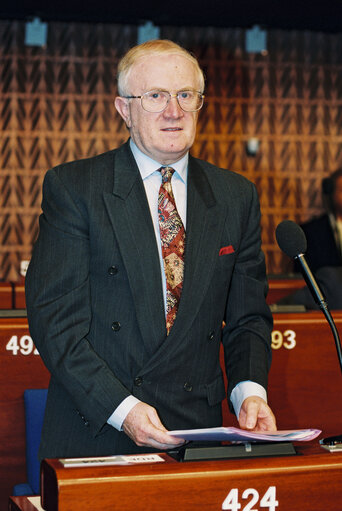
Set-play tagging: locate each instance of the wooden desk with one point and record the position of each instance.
(280, 287)
(305, 384)
(12, 295)
(6, 295)
(21, 368)
(309, 481)
(19, 295)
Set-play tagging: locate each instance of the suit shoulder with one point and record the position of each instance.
(83, 179)
(221, 175)
(86, 176)
(80, 168)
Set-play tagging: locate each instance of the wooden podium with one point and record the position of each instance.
(307, 481)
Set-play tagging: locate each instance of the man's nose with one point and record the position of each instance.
(173, 109)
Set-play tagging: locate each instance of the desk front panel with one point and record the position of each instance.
(310, 481)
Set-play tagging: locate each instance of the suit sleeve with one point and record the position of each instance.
(58, 305)
(247, 334)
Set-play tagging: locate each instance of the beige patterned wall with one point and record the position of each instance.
(56, 104)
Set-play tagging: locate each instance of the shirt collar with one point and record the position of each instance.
(147, 165)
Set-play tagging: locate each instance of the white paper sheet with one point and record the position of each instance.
(241, 435)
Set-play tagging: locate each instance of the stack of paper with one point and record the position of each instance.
(242, 435)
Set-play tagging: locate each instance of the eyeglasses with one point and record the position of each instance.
(156, 101)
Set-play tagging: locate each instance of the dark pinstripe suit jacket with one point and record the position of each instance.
(95, 305)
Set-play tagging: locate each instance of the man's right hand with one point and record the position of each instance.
(144, 427)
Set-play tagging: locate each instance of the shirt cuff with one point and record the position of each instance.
(243, 390)
(121, 412)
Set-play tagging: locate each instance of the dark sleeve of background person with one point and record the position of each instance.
(329, 279)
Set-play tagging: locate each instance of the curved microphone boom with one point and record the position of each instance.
(291, 239)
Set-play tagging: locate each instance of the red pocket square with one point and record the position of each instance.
(227, 250)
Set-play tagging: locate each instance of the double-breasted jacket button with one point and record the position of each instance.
(116, 326)
(138, 381)
(112, 270)
(187, 386)
(86, 423)
(211, 336)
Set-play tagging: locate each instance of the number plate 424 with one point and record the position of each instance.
(268, 500)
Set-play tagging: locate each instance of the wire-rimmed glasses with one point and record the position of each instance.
(155, 101)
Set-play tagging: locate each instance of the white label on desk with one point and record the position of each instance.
(146, 458)
(111, 460)
(268, 500)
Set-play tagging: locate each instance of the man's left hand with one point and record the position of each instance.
(256, 415)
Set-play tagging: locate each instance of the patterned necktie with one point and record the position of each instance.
(172, 235)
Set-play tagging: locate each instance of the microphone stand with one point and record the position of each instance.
(332, 442)
(321, 302)
(332, 325)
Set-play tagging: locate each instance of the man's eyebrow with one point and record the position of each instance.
(161, 89)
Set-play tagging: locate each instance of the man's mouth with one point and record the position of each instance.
(171, 129)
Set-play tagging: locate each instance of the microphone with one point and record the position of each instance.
(291, 239)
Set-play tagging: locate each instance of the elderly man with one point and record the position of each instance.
(143, 253)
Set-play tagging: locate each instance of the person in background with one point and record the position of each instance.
(143, 253)
(324, 233)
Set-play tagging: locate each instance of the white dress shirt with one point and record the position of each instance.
(152, 180)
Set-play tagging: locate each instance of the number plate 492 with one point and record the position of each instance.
(23, 345)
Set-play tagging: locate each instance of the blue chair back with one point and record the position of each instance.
(34, 402)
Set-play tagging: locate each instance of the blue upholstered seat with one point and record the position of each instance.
(34, 401)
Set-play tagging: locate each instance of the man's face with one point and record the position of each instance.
(165, 136)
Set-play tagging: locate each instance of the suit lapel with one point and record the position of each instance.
(131, 219)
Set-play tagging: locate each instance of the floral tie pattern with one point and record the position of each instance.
(172, 235)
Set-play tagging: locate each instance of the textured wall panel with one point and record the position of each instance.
(56, 104)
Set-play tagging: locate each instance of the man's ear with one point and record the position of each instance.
(122, 106)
